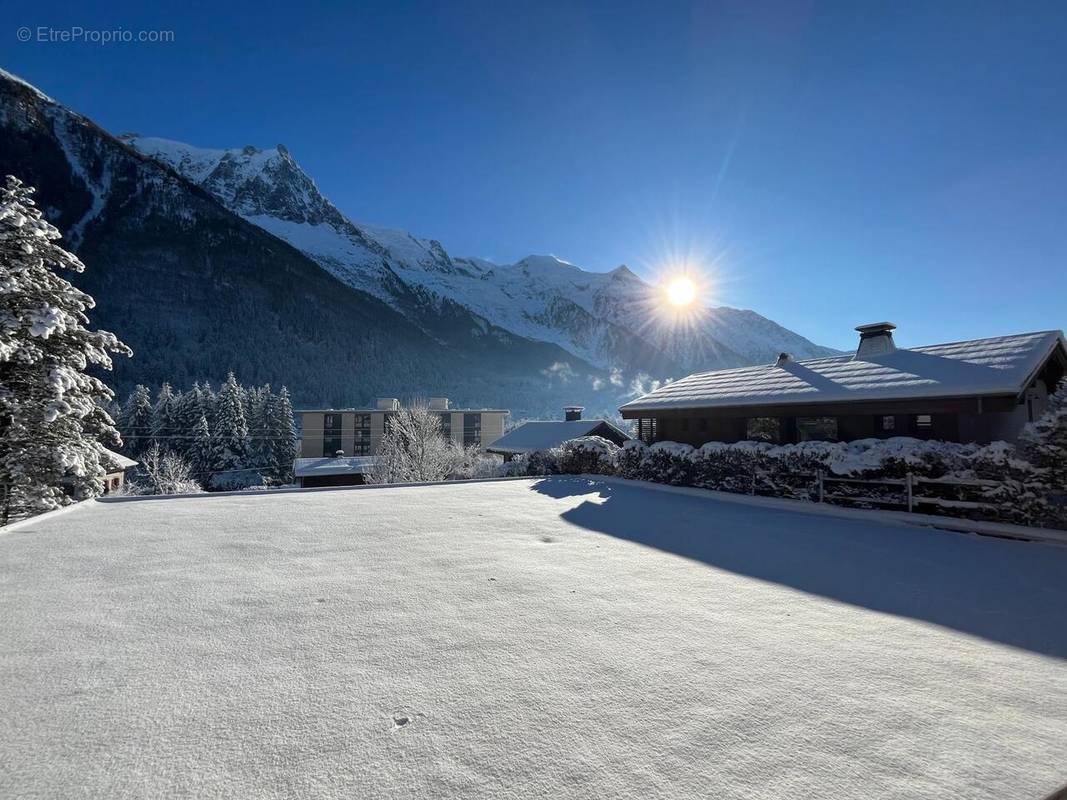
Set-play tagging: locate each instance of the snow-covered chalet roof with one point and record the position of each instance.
(532, 436)
(117, 461)
(352, 465)
(1001, 365)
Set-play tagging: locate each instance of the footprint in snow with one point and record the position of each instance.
(404, 718)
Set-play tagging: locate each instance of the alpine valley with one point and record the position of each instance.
(211, 260)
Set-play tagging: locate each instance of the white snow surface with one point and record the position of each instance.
(525, 639)
(997, 365)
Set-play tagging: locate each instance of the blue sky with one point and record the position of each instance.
(827, 164)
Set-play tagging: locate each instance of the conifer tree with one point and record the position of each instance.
(53, 427)
(1044, 442)
(165, 423)
(231, 428)
(282, 431)
(259, 450)
(135, 421)
(200, 453)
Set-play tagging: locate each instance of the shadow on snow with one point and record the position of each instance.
(1009, 592)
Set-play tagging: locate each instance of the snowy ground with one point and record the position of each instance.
(553, 638)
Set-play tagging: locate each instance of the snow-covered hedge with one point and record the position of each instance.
(1015, 487)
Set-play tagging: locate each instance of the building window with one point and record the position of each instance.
(889, 423)
(446, 425)
(472, 429)
(764, 429)
(817, 429)
(924, 425)
(361, 444)
(646, 429)
(331, 434)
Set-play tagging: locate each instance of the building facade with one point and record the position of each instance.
(978, 391)
(358, 431)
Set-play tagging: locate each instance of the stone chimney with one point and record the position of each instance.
(572, 413)
(783, 359)
(876, 339)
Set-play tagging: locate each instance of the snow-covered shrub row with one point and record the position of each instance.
(1016, 488)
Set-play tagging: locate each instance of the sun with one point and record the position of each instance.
(681, 291)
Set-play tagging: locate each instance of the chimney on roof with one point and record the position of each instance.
(783, 358)
(572, 413)
(876, 339)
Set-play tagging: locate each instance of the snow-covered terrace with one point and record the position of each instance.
(532, 638)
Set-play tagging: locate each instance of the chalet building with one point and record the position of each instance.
(358, 431)
(350, 471)
(976, 391)
(115, 467)
(543, 435)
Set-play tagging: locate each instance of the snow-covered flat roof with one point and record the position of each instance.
(542, 435)
(1000, 365)
(351, 465)
(533, 638)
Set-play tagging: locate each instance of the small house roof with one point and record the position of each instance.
(117, 461)
(538, 435)
(1001, 365)
(352, 465)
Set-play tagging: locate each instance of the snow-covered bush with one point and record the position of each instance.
(630, 458)
(1044, 442)
(997, 475)
(162, 472)
(542, 462)
(474, 464)
(588, 455)
(668, 462)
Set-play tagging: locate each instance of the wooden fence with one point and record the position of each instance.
(911, 489)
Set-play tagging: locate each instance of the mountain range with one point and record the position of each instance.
(205, 260)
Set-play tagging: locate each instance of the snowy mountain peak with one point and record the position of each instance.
(599, 317)
(248, 180)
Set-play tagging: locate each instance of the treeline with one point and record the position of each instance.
(229, 438)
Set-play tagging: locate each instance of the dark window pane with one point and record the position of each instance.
(472, 428)
(817, 429)
(764, 429)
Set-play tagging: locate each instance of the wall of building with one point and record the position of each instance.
(492, 428)
(311, 443)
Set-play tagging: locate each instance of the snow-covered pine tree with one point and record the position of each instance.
(208, 400)
(200, 453)
(166, 427)
(135, 422)
(259, 449)
(53, 427)
(1044, 442)
(187, 414)
(231, 428)
(282, 436)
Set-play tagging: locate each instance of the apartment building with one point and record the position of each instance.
(357, 431)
